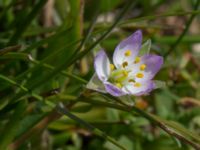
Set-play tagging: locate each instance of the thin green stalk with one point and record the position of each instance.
(88, 33)
(9, 49)
(173, 47)
(2, 77)
(64, 110)
(160, 16)
(187, 39)
(23, 88)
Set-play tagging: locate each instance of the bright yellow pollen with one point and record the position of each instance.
(112, 67)
(124, 64)
(143, 67)
(125, 73)
(137, 84)
(139, 75)
(137, 60)
(119, 85)
(127, 53)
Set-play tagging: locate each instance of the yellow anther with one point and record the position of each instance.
(124, 64)
(137, 60)
(139, 75)
(119, 85)
(131, 80)
(112, 67)
(127, 53)
(137, 84)
(125, 73)
(143, 67)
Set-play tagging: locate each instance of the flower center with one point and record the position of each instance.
(118, 77)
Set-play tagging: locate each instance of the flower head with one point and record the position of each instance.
(130, 73)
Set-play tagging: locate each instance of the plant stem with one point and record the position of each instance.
(9, 49)
(160, 16)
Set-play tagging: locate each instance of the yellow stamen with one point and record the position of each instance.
(131, 80)
(127, 53)
(143, 67)
(124, 64)
(125, 73)
(112, 67)
(119, 85)
(139, 75)
(137, 84)
(137, 60)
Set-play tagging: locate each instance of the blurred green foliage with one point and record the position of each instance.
(46, 59)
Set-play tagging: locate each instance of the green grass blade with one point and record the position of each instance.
(12, 126)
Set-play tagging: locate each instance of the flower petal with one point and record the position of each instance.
(132, 44)
(102, 65)
(144, 89)
(113, 90)
(153, 64)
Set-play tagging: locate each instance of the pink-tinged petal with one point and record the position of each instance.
(113, 90)
(102, 65)
(153, 65)
(133, 44)
(144, 89)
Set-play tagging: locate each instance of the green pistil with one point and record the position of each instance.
(118, 76)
